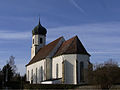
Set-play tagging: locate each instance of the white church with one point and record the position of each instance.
(59, 62)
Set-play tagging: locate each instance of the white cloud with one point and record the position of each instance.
(105, 52)
(14, 35)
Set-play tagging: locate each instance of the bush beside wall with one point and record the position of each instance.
(49, 86)
(66, 86)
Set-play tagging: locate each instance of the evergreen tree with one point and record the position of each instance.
(7, 73)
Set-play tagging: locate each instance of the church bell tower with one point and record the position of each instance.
(38, 38)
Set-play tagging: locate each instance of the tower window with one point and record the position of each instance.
(41, 40)
(33, 41)
(41, 73)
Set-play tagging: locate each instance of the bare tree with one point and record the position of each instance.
(106, 74)
(12, 64)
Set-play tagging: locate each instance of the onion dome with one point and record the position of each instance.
(39, 29)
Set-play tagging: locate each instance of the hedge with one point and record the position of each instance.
(50, 86)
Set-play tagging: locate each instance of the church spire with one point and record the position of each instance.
(39, 20)
(39, 29)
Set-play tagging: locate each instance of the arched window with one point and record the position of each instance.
(41, 40)
(63, 71)
(28, 75)
(36, 75)
(32, 76)
(77, 70)
(81, 72)
(56, 70)
(41, 73)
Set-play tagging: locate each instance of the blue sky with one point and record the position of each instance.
(95, 22)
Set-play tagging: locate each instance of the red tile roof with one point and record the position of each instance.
(72, 46)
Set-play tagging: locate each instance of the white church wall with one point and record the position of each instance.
(48, 68)
(70, 74)
(57, 60)
(33, 67)
(70, 69)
